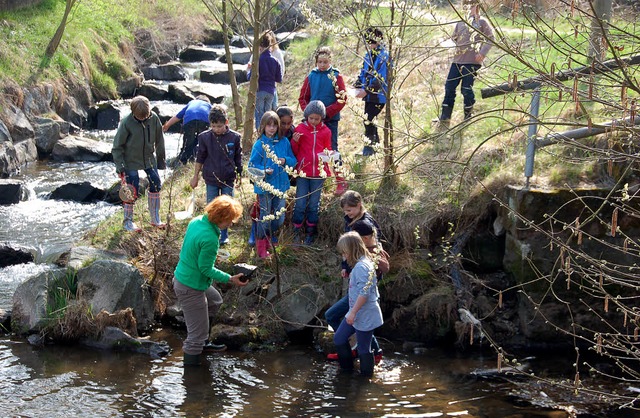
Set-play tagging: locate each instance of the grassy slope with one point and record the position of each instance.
(437, 173)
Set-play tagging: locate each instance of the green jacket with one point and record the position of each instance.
(196, 267)
(136, 142)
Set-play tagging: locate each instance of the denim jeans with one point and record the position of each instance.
(308, 192)
(264, 102)
(363, 338)
(269, 204)
(133, 178)
(335, 314)
(333, 127)
(214, 191)
(460, 73)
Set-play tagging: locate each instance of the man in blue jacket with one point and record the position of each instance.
(195, 119)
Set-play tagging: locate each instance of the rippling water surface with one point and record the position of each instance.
(297, 382)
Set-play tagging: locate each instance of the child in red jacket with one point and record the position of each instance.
(315, 138)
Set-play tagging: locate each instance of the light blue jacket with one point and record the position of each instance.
(282, 148)
(363, 282)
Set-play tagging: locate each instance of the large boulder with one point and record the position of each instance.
(300, 307)
(113, 285)
(212, 92)
(213, 37)
(169, 72)
(103, 116)
(26, 151)
(113, 338)
(30, 301)
(19, 126)
(71, 110)
(179, 93)
(8, 159)
(154, 91)
(78, 192)
(196, 53)
(129, 86)
(47, 133)
(11, 255)
(222, 77)
(238, 56)
(75, 148)
(12, 192)
(38, 100)
(80, 256)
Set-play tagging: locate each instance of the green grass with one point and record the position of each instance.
(61, 291)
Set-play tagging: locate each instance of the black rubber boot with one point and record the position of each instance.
(366, 364)
(371, 132)
(191, 359)
(468, 112)
(446, 113)
(345, 357)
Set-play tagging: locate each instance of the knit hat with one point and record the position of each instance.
(363, 227)
(315, 107)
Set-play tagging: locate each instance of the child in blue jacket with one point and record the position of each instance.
(272, 154)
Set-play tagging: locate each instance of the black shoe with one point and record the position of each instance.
(210, 347)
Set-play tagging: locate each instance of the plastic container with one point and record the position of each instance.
(223, 255)
(255, 174)
(330, 156)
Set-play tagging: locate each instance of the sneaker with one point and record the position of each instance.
(210, 347)
(377, 357)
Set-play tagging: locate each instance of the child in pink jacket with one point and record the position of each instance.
(315, 137)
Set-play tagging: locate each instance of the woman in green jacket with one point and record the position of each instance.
(196, 271)
(139, 145)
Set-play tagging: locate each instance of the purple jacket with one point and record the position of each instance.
(220, 156)
(270, 73)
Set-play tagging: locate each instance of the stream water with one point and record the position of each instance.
(56, 381)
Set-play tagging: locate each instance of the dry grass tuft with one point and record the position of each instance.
(76, 323)
(123, 319)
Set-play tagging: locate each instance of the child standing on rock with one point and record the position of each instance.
(314, 138)
(219, 158)
(271, 153)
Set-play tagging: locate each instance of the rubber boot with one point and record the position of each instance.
(224, 237)
(312, 231)
(252, 234)
(341, 185)
(153, 198)
(262, 245)
(191, 359)
(468, 112)
(274, 241)
(366, 364)
(128, 224)
(344, 357)
(370, 131)
(444, 121)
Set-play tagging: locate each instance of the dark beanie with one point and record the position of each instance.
(315, 107)
(363, 227)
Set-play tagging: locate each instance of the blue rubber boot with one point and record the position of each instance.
(252, 234)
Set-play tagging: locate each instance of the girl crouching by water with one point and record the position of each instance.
(364, 314)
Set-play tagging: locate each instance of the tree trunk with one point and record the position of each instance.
(249, 129)
(599, 29)
(237, 106)
(57, 37)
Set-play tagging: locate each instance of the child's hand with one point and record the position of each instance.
(194, 182)
(350, 318)
(296, 136)
(344, 274)
(268, 171)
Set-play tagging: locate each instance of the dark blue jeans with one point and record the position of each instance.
(308, 192)
(133, 178)
(363, 338)
(460, 73)
(333, 127)
(335, 314)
